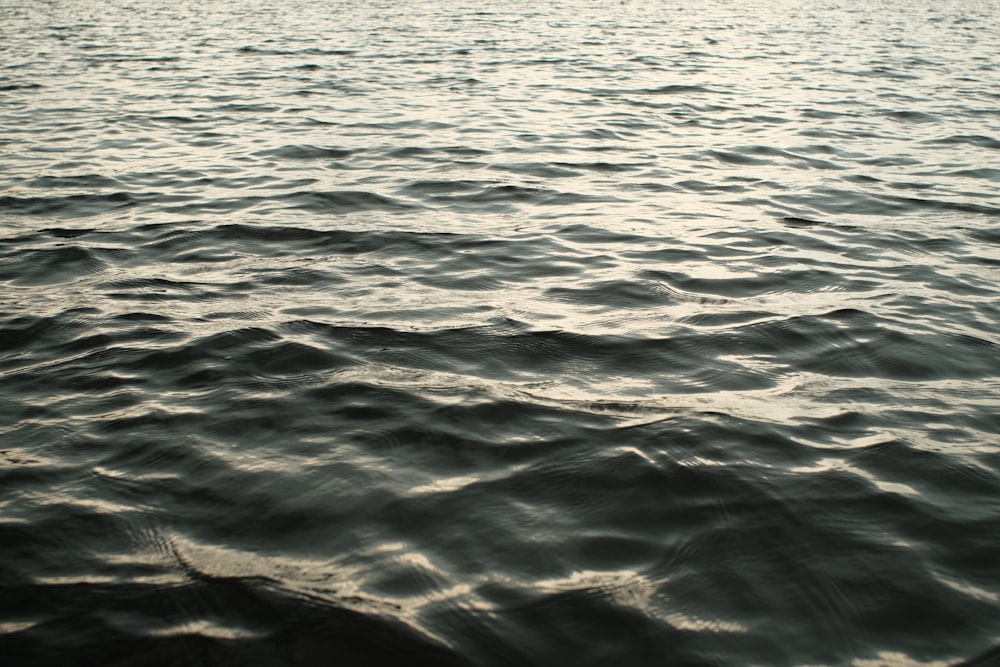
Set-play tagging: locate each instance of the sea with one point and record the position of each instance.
(494, 333)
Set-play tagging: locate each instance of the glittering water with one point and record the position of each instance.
(499, 333)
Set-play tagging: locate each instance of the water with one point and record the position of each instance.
(570, 333)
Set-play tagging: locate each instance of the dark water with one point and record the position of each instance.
(500, 333)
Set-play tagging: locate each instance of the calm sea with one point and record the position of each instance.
(500, 334)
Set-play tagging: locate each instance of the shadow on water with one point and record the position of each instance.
(298, 635)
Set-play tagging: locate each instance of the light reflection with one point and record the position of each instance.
(895, 659)
(839, 465)
(970, 590)
(204, 629)
(629, 588)
(10, 627)
(694, 624)
(446, 485)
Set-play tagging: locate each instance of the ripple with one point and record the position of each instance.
(70, 206)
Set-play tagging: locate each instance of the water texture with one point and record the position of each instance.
(500, 333)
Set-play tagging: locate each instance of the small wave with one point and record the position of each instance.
(52, 266)
(978, 140)
(344, 201)
(11, 87)
(71, 206)
(305, 152)
(310, 51)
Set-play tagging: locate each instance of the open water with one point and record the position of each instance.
(500, 333)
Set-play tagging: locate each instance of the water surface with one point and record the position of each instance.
(500, 333)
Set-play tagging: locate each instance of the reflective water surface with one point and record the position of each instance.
(500, 333)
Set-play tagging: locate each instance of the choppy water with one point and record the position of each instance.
(500, 333)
